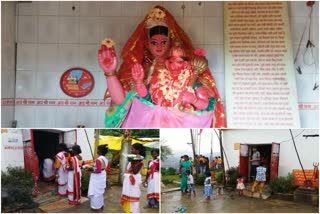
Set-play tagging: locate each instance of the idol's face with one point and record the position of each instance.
(158, 45)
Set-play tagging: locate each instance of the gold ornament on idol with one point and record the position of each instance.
(199, 65)
(109, 43)
(155, 17)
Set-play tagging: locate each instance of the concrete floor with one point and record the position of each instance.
(229, 203)
(112, 203)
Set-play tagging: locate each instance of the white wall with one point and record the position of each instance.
(307, 98)
(8, 38)
(308, 148)
(83, 142)
(11, 149)
(52, 38)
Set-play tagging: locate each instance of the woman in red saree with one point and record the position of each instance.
(143, 56)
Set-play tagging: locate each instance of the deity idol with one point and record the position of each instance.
(162, 82)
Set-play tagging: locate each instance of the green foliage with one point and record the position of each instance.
(171, 171)
(282, 184)
(166, 181)
(17, 184)
(135, 133)
(85, 178)
(163, 171)
(168, 171)
(200, 179)
(219, 176)
(233, 174)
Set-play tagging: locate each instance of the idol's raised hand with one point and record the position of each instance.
(137, 73)
(108, 60)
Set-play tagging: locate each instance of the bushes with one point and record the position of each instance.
(17, 185)
(282, 184)
(85, 178)
(219, 176)
(166, 181)
(233, 174)
(200, 179)
(169, 171)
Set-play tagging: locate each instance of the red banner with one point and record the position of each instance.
(299, 177)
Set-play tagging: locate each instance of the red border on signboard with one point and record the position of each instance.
(76, 82)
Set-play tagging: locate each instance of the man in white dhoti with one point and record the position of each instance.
(98, 179)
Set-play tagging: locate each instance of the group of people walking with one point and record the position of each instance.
(186, 171)
(187, 180)
(67, 171)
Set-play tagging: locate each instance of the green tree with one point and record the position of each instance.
(165, 150)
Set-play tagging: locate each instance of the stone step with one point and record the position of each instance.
(59, 206)
(47, 197)
(264, 195)
(170, 190)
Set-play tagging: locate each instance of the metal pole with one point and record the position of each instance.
(221, 152)
(125, 150)
(96, 142)
(294, 143)
(195, 161)
(211, 149)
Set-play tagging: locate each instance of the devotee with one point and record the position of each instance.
(98, 179)
(61, 169)
(260, 179)
(48, 170)
(153, 180)
(131, 192)
(74, 176)
(184, 166)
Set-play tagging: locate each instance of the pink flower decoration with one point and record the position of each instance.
(199, 52)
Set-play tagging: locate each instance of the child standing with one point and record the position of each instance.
(240, 185)
(190, 182)
(207, 186)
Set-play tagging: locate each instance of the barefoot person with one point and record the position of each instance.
(260, 179)
(61, 169)
(132, 179)
(207, 186)
(185, 165)
(98, 179)
(153, 180)
(74, 176)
